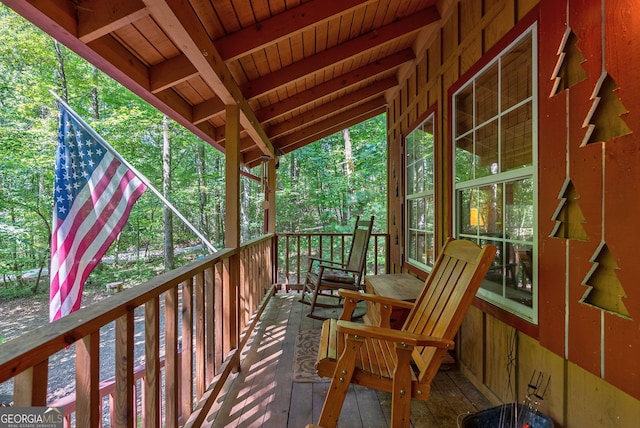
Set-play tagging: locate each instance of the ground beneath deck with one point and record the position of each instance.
(263, 394)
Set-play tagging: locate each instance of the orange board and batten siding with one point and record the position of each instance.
(588, 332)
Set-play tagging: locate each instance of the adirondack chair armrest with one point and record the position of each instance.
(396, 336)
(395, 303)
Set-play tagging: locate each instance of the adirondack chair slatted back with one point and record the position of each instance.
(448, 293)
(359, 244)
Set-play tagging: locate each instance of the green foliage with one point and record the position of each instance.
(318, 192)
(316, 189)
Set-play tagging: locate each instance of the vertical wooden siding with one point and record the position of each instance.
(590, 352)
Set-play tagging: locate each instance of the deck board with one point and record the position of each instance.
(263, 394)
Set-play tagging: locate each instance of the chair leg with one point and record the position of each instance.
(401, 390)
(340, 383)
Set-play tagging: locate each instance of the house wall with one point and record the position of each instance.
(588, 201)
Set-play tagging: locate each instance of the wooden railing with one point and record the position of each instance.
(294, 249)
(206, 309)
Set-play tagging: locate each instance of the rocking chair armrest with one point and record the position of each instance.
(327, 262)
(337, 267)
(396, 336)
(388, 301)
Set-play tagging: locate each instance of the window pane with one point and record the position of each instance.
(487, 150)
(493, 280)
(517, 138)
(429, 239)
(487, 95)
(518, 214)
(516, 74)
(490, 209)
(464, 158)
(520, 287)
(464, 110)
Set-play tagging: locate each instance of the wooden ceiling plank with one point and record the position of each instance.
(334, 85)
(339, 104)
(98, 17)
(188, 33)
(170, 72)
(341, 52)
(207, 109)
(281, 26)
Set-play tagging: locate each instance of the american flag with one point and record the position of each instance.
(93, 195)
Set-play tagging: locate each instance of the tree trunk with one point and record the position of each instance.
(169, 262)
(348, 171)
(95, 106)
(202, 194)
(62, 76)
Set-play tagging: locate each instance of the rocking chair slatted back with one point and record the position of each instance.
(359, 244)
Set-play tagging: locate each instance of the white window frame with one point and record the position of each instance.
(523, 311)
(418, 195)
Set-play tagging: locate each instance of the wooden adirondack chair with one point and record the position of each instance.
(402, 362)
(323, 275)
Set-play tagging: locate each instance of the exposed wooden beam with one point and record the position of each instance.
(187, 32)
(334, 85)
(280, 26)
(357, 97)
(97, 18)
(339, 53)
(207, 109)
(170, 73)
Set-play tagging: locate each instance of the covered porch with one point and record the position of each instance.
(213, 355)
(508, 121)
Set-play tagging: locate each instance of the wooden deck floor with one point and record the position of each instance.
(264, 395)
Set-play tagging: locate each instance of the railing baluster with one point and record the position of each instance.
(88, 400)
(219, 317)
(124, 371)
(30, 386)
(210, 321)
(186, 358)
(151, 414)
(171, 357)
(201, 339)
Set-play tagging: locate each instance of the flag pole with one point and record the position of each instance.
(138, 174)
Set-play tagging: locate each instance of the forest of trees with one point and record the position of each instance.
(323, 184)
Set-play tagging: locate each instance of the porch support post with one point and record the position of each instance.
(232, 228)
(270, 196)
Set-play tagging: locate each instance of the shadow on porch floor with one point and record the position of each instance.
(263, 394)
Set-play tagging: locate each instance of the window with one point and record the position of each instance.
(494, 131)
(419, 146)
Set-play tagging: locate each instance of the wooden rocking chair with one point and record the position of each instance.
(402, 362)
(323, 275)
